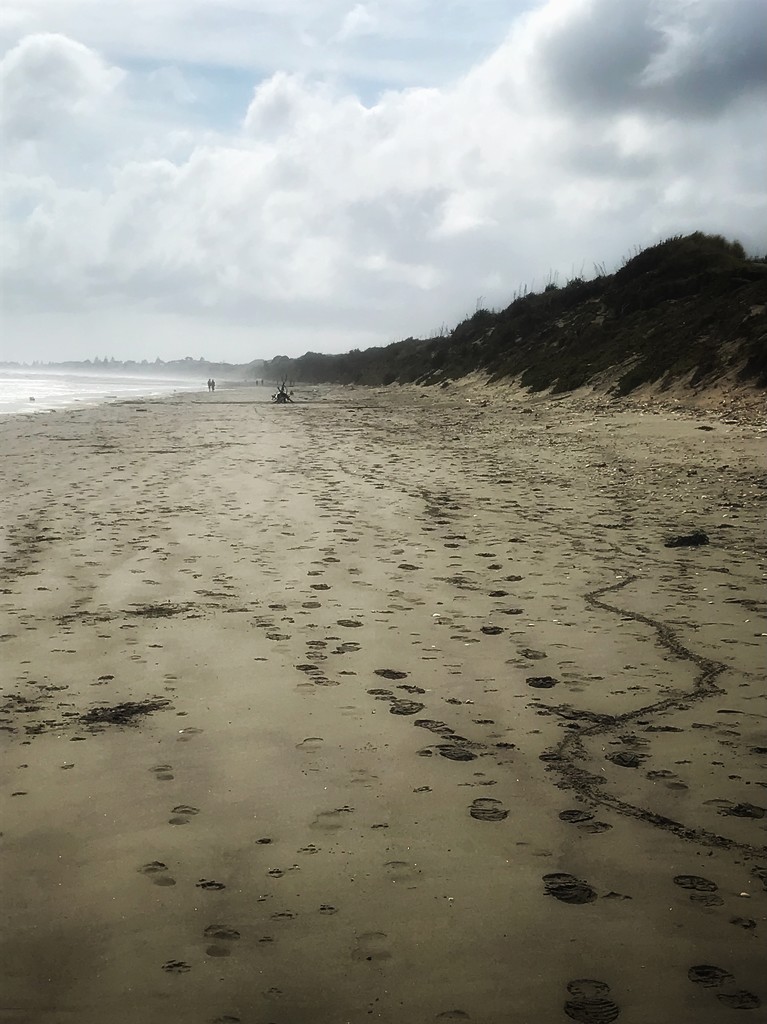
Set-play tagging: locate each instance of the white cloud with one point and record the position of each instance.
(50, 84)
(361, 20)
(318, 219)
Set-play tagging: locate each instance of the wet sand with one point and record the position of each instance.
(438, 728)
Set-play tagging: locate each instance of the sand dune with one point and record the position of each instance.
(388, 705)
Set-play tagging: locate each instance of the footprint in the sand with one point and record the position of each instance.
(711, 976)
(702, 890)
(331, 821)
(176, 967)
(184, 735)
(401, 871)
(454, 752)
(590, 1002)
(740, 1000)
(182, 814)
(744, 810)
(209, 885)
(157, 872)
(433, 725)
(372, 946)
(163, 772)
(568, 889)
(349, 623)
(453, 1015)
(626, 758)
(487, 809)
(390, 673)
(748, 923)
(405, 707)
(595, 827)
(311, 744)
(541, 682)
(328, 909)
(576, 816)
(224, 936)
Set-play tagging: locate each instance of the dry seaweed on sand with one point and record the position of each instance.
(164, 610)
(127, 713)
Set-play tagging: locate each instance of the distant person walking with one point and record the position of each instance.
(212, 384)
(209, 383)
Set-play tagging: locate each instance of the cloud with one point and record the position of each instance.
(361, 20)
(678, 57)
(591, 127)
(51, 84)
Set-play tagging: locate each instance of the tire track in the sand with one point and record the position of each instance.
(564, 755)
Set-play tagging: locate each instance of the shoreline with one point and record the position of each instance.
(415, 658)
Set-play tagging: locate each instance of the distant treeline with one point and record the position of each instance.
(187, 367)
(692, 305)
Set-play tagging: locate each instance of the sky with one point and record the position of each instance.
(238, 179)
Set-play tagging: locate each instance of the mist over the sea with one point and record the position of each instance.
(31, 391)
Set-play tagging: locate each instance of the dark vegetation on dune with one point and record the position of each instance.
(689, 307)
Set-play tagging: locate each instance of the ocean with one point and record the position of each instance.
(30, 391)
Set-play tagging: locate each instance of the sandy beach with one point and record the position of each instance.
(387, 705)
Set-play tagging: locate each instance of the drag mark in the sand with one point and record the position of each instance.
(569, 750)
(590, 1002)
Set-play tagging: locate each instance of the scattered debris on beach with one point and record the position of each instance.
(687, 540)
(123, 714)
(166, 610)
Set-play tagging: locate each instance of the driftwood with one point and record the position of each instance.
(282, 395)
